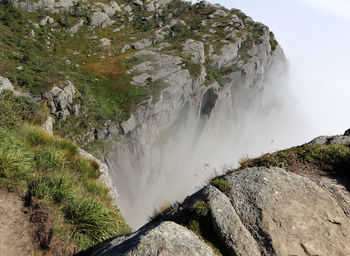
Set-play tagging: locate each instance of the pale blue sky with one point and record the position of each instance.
(315, 35)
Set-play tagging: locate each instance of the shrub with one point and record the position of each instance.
(15, 110)
(200, 208)
(221, 184)
(194, 226)
(194, 69)
(273, 41)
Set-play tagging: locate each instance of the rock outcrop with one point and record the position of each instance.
(5, 84)
(284, 211)
(60, 101)
(265, 211)
(185, 99)
(332, 140)
(168, 238)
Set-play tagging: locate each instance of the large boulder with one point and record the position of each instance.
(333, 140)
(5, 84)
(60, 100)
(100, 19)
(227, 54)
(264, 211)
(196, 49)
(168, 238)
(289, 214)
(228, 226)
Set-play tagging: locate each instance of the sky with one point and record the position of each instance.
(315, 36)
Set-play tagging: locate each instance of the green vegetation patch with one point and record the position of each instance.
(15, 110)
(194, 69)
(51, 171)
(334, 159)
(221, 184)
(273, 41)
(69, 183)
(16, 161)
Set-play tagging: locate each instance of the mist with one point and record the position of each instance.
(314, 36)
(306, 99)
(241, 122)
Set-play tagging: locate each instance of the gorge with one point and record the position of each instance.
(152, 113)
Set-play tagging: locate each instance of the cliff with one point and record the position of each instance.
(291, 202)
(161, 91)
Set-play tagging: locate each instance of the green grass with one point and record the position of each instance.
(16, 161)
(93, 219)
(218, 75)
(50, 170)
(15, 110)
(56, 188)
(221, 184)
(194, 69)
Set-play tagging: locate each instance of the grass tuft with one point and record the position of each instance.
(93, 219)
(200, 208)
(52, 187)
(49, 159)
(16, 162)
(221, 184)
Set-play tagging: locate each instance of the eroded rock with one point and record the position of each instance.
(5, 84)
(228, 225)
(100, 19)
(284, 211)
(168, 238)
(196, 49)
(60, 100)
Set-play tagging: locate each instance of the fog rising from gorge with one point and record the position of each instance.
(313, 35)
(193, 150)
(288, 110)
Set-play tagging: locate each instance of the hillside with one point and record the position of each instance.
(125, 79)
(155, 90)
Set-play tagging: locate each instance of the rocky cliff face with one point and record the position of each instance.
(169, 89)
(175, 133)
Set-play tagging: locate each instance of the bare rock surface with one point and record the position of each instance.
(5, 84)
(100, 19)
(227, 54)
(61, 100)
(228, 225)
(267, 211)
(331, 140)
(168, 238)
(196, 49)
(284, 211)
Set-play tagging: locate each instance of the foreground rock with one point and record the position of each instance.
(168, 238)
(284, 211)
(266, 211)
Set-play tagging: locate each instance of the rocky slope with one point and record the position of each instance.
(161, 91)
(147, 86)
(302, 209)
